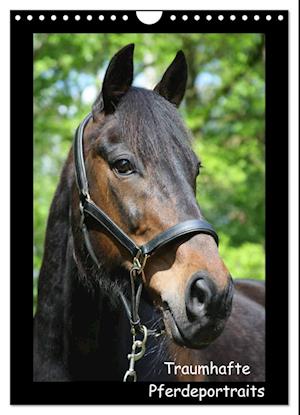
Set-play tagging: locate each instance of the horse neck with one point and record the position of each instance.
(76, 319)
(83, 330)
(96, 339)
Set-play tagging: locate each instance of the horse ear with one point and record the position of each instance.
(117, 80)
(173, 84)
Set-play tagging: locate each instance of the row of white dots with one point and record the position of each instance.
(173, 17)
(65, 17)
(232, 17)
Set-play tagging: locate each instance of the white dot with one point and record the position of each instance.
(232, 17)
(268, 17)
(244, 17)
(77, 17)
(221, 17)
(125, 17)
(208, 17)
(184, 17)
(17, 17)
(41, 17)
(173, 17)
(101, 17)
(89, 17)
(197, 17)
(113, 17)
(65, 17)
(256, 17)
(280, 17)
(29, 17)
(53, 17)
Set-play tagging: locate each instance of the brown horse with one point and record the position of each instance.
(142, 173)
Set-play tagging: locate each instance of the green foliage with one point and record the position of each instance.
(247, 256)
(224, 108)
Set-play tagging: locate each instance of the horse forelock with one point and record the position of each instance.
(153, 130)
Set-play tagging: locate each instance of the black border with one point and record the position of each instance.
(23, 389)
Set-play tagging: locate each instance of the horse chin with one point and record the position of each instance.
(198, 341)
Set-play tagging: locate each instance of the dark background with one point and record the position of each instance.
(275, 35)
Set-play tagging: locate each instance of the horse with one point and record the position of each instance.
(131, 280)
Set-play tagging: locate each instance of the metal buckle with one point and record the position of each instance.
(138, 263)
(81, 208)
(84, 194)
(85, 197)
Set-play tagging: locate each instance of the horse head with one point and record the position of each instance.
(142, 172)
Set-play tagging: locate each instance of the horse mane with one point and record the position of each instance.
(58, 218)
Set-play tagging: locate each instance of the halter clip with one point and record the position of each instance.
(135, 355)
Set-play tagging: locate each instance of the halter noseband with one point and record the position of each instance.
(139, 254)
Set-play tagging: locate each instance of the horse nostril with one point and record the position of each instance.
(199, 293)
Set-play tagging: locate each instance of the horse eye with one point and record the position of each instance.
(123, 166)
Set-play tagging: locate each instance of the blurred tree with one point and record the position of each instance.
(224, 108)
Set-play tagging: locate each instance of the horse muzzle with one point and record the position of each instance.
(206, 312)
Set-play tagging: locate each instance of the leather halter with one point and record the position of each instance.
(139, 254)
(89, 208)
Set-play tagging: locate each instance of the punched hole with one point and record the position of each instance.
(149, 17)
